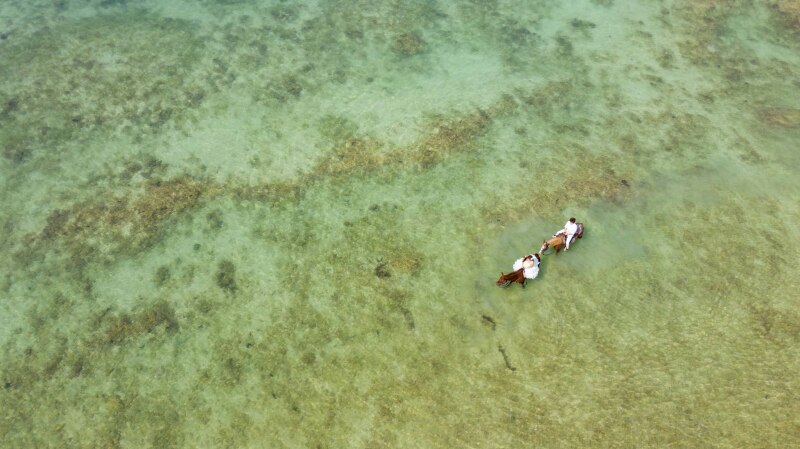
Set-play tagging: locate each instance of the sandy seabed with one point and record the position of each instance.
(279, 224)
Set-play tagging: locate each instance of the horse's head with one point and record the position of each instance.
(545, 245)
(555, 242)
(503, 281)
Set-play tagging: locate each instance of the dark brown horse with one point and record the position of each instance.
(515, 276)
(557, 241)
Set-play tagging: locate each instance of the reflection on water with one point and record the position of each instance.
(242, 223)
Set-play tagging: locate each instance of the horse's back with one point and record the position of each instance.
(515, 276)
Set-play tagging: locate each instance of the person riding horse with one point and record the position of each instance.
(564, 237)
(569, 230)
(529, 264)
(524, 268)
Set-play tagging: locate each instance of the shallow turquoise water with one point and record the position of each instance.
(278, 224)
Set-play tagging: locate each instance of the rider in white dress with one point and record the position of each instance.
(530, 263)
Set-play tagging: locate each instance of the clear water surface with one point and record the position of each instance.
(278, 224)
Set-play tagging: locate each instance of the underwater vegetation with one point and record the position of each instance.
(162, 276)
(781, 117)
(445, 136)
(790, 11)
(100, 78)
(226, 276)
(126, 224)
(125, 326)
(409, 44)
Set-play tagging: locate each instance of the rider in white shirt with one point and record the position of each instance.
(570, 228)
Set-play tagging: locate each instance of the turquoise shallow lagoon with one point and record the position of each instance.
(279, 224)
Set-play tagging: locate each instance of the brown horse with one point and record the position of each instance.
(515, 276)
(557, 241)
